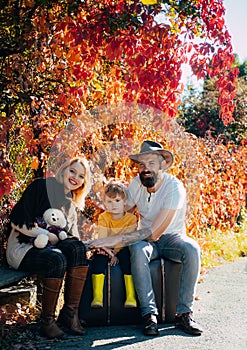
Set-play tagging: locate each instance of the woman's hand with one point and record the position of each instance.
(52, 238)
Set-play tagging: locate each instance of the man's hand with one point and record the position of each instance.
(110, 252)
(120, 241)
(105, 251)
(107, 242)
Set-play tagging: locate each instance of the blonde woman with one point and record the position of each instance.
(66, 191)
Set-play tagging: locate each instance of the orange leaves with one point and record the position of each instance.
(222, 59)
(116, 51)
(113, 50)
(227, 89)
(7, 180)
(222, 193)
(34, 163)
(73, 56)
(213, 173)
(101, 37)
(215, 56)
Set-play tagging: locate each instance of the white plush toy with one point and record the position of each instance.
(53, 223)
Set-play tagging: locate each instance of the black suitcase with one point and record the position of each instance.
(165, 277)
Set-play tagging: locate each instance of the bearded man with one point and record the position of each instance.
(161, 202)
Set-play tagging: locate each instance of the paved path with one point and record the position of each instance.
(221, 310)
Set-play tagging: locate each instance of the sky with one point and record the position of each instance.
(236, 22)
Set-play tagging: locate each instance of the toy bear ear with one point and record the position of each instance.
(61, 220)
(48, 216)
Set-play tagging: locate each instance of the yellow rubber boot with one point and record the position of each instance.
(130, 292)
(98, 285)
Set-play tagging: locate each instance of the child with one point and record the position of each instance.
(113, 221)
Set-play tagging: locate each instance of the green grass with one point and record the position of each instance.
(219, 247)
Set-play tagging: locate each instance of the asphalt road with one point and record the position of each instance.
(221, 310)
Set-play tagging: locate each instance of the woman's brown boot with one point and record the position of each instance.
(48, 326)
(74, 284)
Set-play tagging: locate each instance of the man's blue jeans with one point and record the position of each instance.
(176, 247)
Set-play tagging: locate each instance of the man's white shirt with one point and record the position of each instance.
(171, 195)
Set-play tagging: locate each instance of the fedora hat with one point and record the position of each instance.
(149, 146)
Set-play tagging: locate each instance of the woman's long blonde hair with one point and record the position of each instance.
(80, 193)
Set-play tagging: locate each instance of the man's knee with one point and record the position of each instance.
(140, 251)
(192, 249)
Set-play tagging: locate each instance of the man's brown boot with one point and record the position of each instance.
(74, 284)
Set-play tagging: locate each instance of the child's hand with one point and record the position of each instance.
(114, 261)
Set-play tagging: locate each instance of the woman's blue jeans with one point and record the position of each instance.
(176, 247)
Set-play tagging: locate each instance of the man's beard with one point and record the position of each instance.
(148, 181)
